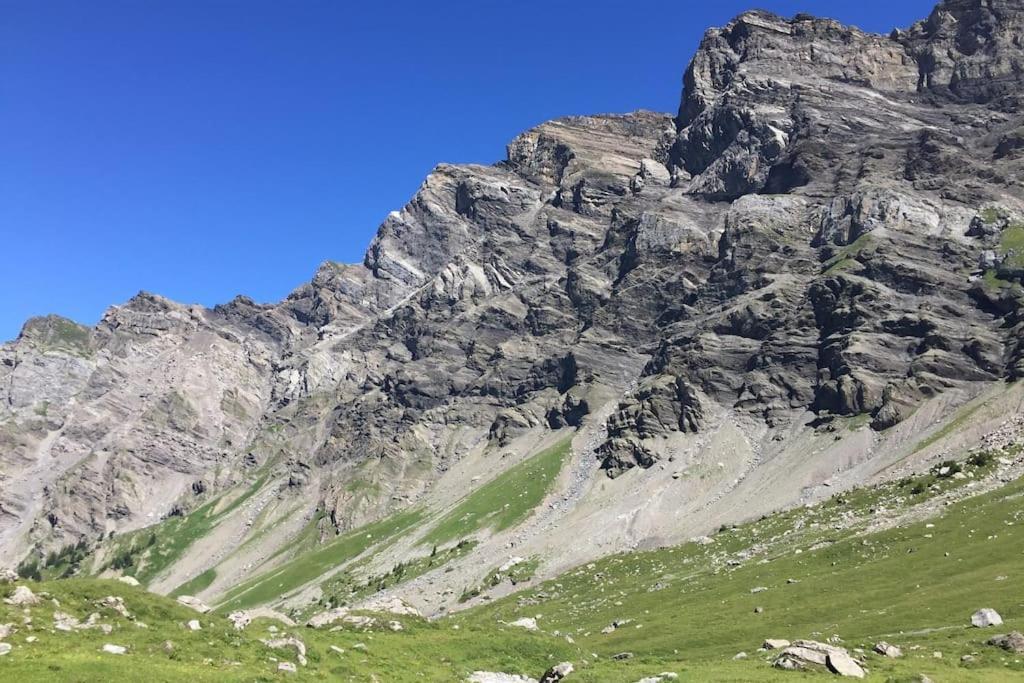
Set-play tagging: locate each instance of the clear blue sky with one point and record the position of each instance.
(201, 149)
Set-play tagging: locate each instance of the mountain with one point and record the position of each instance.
(632, 331)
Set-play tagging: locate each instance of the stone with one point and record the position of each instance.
(194, 625)
(884, 648)
(557, 672)
(986, 617)
(809, 654)
(775, 644)
(1011, 642)
(62, 621)
(5, 649)
(328, 617)
(22, 597)
(622, 655)
(7, 575)
(114, 649)
(843, 664)
(289, 642)
(287, 667)
(193, 602)
(240, 619)
(115, 603)
(129, 580)
(529, 623)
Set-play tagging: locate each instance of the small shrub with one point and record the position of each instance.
(983, 459)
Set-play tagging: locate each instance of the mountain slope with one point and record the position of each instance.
(806, 280)
(905, 563)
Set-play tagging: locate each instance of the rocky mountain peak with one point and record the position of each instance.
(55, 331)
(970, 50)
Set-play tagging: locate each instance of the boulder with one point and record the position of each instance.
(129, 580)
(556, 673)
(114, 649)
(289, 642)
(5, 648)
(810, 654)
(1011, 642)
(193, 602)
(986, 617)
(843, 664)
(240, 619)
(115, 603)
(775, 644)
(7, 575)
(287, 667)
(22, 597)
(62, 621)
(529, 623)
(884, 648)
(194, 625)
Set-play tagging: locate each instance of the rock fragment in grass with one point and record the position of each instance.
(986, 617)
(842, 664)
(195, 603)
(775, 643)
(557, 673)
(22, 597)
(529, 623)
(1011, 642)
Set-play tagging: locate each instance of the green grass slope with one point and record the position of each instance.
(305, 568)
(915, 585)
(504, 501)
(907, 562)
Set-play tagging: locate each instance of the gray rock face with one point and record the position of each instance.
(804, 235)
